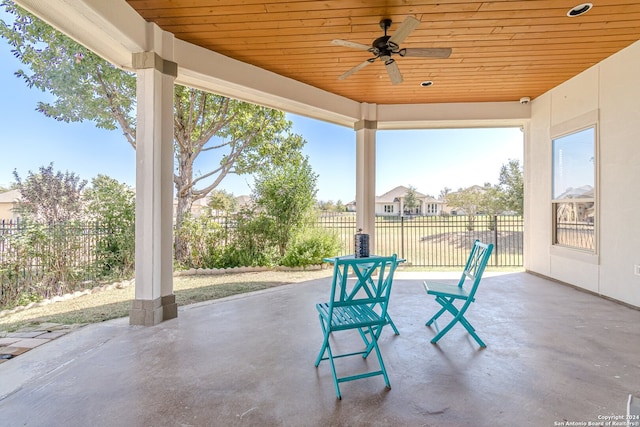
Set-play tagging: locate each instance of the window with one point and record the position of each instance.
(574, 191)
(388, 208)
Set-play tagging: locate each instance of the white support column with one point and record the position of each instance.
(154, 298)
(366, 173)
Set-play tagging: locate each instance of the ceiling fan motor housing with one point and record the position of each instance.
(381, 46)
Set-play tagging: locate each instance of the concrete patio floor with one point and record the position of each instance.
(555, 356)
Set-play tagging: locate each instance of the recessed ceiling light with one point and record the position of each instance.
(579, 9)
(426, 83)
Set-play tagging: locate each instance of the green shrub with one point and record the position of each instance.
(252, 243)
(111, 205)
(204, 239)
(310, 246)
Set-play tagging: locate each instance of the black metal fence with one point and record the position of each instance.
(37, 253)
(437, 241)
(576, 235)
(424, 241)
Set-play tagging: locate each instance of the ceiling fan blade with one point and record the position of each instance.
(354, 45)
(426, 52)
(354, 69)
(408, 25)
(392, 69)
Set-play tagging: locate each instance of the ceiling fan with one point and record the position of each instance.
(385, 47)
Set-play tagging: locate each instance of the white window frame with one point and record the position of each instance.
(571, 127)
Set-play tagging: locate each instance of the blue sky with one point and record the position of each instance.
(429, 160)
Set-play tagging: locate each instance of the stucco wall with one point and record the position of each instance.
(6, 211)
(609, 92)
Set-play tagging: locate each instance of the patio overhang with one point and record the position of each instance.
(574, 67)
(116, 31)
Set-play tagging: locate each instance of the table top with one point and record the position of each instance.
(352, 257)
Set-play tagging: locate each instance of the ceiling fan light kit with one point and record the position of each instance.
(385, 47)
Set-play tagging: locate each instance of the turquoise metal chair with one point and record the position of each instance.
(447, 294)
(359, 304)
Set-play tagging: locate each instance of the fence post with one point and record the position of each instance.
(401, 236)
(495, 240)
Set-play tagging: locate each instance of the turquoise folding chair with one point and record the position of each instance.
(447, 295)
(359, 304)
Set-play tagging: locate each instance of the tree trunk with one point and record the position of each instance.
(180, 246)
(184, 198)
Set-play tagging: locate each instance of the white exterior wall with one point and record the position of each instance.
(611, 92)
(380, 209)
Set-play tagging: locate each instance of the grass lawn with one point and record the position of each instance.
(115, 303)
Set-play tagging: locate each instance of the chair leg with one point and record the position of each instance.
(393, 326)
(457, 317)
(472, 332)
(378, 331)
(435, 316)
(326, 347)
(333, 372)
(445, 303)
(325, 342)
(380, 361)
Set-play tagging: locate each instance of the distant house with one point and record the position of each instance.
(8, 202)
(392, 203)
(351, 206)
(243, 202)
(201, 207)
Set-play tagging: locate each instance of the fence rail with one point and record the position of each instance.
(50, 258)
(437, 241)
(431, 241)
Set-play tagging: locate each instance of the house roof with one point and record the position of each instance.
(399, 192)
(243, 199)
(575, 193)
(11, 196)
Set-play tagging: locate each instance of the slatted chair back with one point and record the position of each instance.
(474, 268)
(357, 284)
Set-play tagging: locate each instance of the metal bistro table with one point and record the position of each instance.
(364, 269)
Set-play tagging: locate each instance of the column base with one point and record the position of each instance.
(152, 312)
(169, 307)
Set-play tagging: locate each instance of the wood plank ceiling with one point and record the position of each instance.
(501, 50)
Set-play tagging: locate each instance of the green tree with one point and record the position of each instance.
(469, 200)
(242, 137)
(287, 195)
(52, 239)
(51, 197)
(326, 206)
(111, 205)
(222, 202)
(511, 184)
(491, 200)
(443, 193)
(410, 200)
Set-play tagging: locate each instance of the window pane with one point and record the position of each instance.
(575, 225)
(574, 165)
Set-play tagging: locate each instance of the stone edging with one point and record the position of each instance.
(127, 283)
